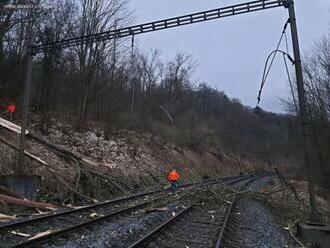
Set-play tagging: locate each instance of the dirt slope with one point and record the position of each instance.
(135, 161)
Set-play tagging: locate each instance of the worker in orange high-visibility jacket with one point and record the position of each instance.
(173, 177)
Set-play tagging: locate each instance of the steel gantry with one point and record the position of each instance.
(163, 24)
(186, 20)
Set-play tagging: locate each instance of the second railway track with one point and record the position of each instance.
(196, 226)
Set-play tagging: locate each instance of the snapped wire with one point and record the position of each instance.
(272, 56)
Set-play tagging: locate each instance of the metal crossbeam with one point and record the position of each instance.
(163, 24)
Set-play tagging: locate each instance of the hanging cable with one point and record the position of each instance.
(277, 47)
(286, 43)
(273, 54)
(286, 55)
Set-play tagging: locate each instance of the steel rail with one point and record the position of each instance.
(237, 179)
(102, 204)
(148, 237)
(158, 229)
(223, 228)
(219, 242)
(162, 24)
(78, 226)
(31, 242)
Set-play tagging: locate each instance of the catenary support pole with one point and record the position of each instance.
(26, 99)
(132, 75)
(28, 74)
(302, 108)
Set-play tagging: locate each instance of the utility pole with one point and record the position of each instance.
(132, 75)
(28, 73)
(26, 99)
(305, 125)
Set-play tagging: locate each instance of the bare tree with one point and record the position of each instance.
(95, 17)
(177, 78)
(56, 24)
(316, 68)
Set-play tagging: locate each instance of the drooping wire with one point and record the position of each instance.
(277, 48)
(267, 70)
(286, 43)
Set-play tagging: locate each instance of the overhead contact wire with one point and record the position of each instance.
(267, 70)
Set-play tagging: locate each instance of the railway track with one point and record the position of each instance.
(196, 226)
(72, 220)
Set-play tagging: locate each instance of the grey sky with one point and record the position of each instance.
(231, 52)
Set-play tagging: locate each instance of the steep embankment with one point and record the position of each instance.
(128, 161)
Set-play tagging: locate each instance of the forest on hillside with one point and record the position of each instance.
(120, 86)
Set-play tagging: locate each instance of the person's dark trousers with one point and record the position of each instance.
(174, 186)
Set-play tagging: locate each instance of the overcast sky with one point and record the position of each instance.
(231, 52)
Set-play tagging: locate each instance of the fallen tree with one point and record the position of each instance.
(81, 162)
(23, 202)
(6, 191)
(46, 165)
(83, 165)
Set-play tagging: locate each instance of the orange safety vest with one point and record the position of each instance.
(173, 176)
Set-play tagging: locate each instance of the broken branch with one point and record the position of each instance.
(16, 201)
(39, 160)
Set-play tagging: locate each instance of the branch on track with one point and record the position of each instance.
(109, 179)
(4, 217)
(20, 202)
(290, 186)
(47, 166)
(6, 191)
(80, 161)
(292, 230)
